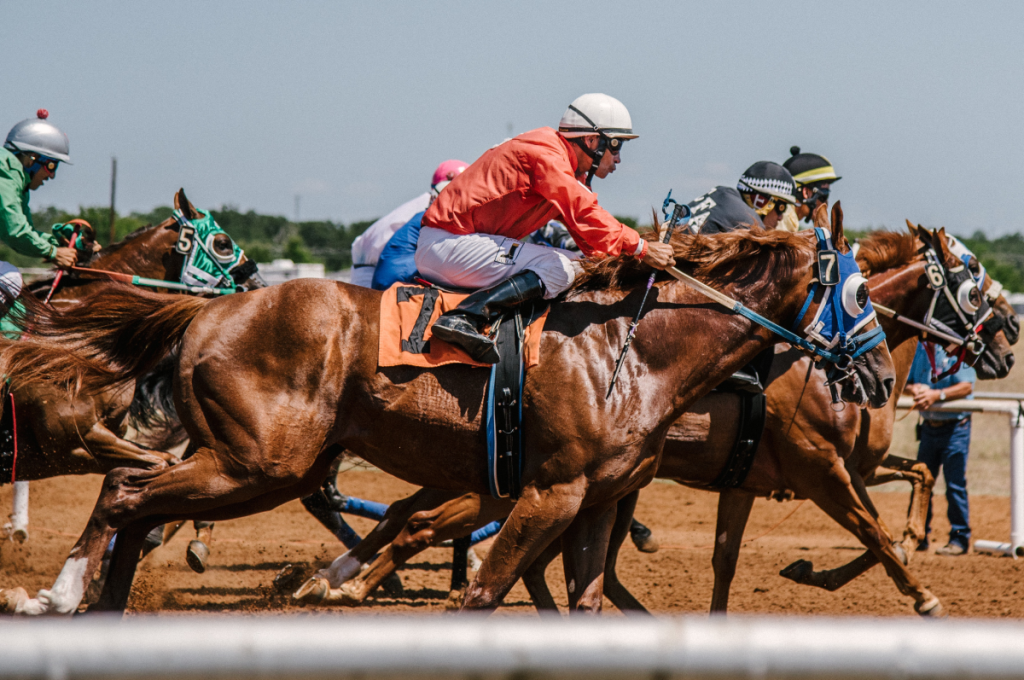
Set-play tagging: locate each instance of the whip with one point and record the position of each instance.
(680, 215)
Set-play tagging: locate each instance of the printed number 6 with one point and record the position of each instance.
(184, 244)
(935, 277)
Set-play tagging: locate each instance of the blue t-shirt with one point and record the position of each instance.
(397, 262)
(921, 373)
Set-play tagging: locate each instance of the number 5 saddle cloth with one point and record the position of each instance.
(407, 311)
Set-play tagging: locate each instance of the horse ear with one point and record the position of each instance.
(182, 203)
(838, 239)
(912, 228)
(942, 247)
(821, 216)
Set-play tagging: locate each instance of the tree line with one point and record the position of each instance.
(267, 237)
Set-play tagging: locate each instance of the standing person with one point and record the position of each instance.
(33, 150)
(814, 176)
(470, 235)
(397, 260)
(945, 439)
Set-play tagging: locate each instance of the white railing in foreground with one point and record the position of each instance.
(993, 402)
(466, 646)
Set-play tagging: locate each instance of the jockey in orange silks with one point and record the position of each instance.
(470, 234)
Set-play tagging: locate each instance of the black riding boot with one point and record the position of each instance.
(463, 325)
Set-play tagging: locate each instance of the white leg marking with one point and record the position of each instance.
(341, 570)
(66, 594)
(723, 537)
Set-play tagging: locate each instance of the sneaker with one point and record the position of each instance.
(952, 550)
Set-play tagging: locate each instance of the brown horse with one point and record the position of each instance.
(802, 453)
(85, 435)
(273, 384)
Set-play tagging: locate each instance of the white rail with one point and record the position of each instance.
(467, 646)
(990, 402)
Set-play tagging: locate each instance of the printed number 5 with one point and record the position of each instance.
(826, 268)
(184, 244)
(935, 277)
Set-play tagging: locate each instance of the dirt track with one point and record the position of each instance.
(247, 553)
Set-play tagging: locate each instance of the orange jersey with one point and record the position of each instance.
(517, 187)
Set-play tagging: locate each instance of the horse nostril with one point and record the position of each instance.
(887, 385)
(1009, 361)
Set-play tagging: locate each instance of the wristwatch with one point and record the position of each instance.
(942, 395)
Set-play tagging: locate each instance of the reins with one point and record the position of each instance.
(153, 283)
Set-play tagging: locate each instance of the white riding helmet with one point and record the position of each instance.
(37, 135)
(595, 113)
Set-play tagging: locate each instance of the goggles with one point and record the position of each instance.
(614, 144)
(763, 204)
(43, 162)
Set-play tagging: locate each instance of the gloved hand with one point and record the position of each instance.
(86, 241)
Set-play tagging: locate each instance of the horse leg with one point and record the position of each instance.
(921, 481)
(324, 585)
(454, 519)
(198, 551)
(539, 516)
(460, 572)
(584, 556)
(733, 512)
(110, 451)
(536, 583)
(19, 513)
(835, 495)
(624, 525)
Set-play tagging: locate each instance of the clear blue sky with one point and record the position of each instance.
(919, 105)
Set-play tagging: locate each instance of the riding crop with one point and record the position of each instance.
(680, 214)
(60, 272)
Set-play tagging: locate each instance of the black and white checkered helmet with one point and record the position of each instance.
(771, 179)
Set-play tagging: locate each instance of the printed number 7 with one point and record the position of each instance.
(826, 267)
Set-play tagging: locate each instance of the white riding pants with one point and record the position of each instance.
(10, 278)
(485, 260)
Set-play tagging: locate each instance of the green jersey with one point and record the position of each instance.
(16, 228)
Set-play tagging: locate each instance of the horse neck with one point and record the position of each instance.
(906, 292)
(719, 343)
(145, 255)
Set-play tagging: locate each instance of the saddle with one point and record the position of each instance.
(748, 384)
(406, 315)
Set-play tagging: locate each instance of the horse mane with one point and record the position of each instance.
(739, 257)
(884, 250)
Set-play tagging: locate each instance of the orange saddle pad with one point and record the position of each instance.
(407, 312)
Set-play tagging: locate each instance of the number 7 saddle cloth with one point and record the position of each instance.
(407, 311)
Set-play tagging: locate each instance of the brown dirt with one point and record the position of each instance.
(247, 553)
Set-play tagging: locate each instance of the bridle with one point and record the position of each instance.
(966, 308)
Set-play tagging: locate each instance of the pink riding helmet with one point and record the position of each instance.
(445, 173)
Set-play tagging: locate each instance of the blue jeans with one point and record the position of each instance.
(946, 446)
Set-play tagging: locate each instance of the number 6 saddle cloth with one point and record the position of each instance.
(407, 311)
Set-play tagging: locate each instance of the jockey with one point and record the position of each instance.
(814, 176)
(470, 236)
(30, 156)
(397, 261)
(760, 198)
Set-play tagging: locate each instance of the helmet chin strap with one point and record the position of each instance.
(595, 155)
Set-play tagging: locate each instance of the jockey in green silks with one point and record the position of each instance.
(30, 156)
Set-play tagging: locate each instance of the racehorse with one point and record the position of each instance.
(62, 435)
(802, 453)
(273, 384)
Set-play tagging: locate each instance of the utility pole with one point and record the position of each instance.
(298, 200)
(113, 194)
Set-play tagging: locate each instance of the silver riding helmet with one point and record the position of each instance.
(37, 135)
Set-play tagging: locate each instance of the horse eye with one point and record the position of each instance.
(974, 266)
(975, 296)
(862, 295)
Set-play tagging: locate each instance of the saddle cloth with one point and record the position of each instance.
(407, 312)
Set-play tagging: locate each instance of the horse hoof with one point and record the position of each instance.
(455, 600)
(288, 578)
(392, 585)
(932, 608)
(798, 571)
(313, 591)
(11, 598)
(196, 556)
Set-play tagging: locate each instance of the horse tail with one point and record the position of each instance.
(152, 412)
(108, 338)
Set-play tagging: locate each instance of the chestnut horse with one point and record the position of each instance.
(802, 452)
(273, 384)
(62, 436)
